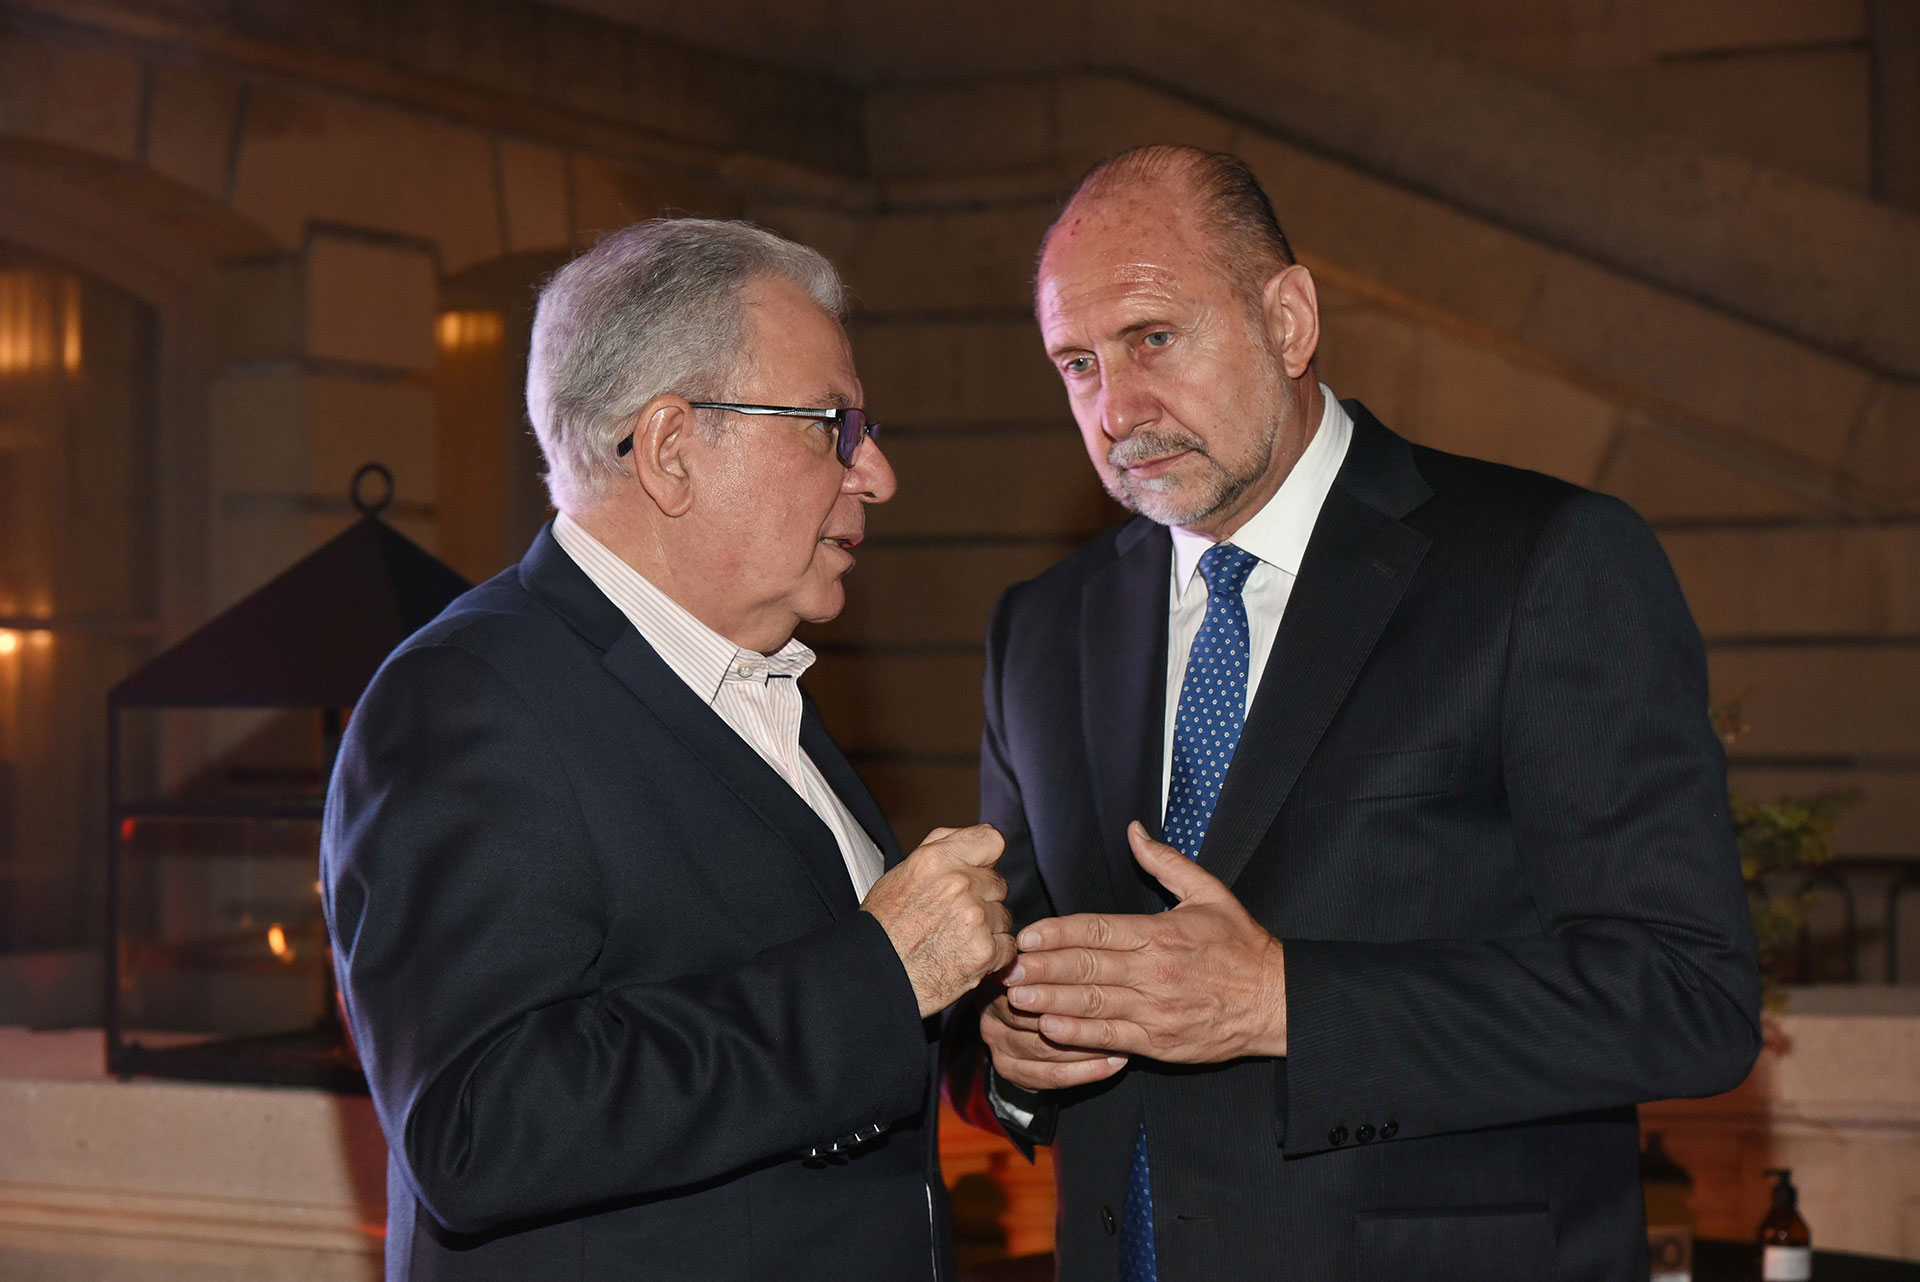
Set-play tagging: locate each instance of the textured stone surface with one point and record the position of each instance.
(1823, 701)
(69, 93)
(934, 593)
(190, 123)
(308, 157)
(957, 129)
(994, 484)
(166, 1182)
(1801, 582)
(1665, 474)
(937, 370)
(370, 302)
(533, 187)
(900, 703)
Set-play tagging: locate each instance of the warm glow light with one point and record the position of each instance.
(464, 331)
(70, 340)
(277, 941)
(40, 322)
(9, 641)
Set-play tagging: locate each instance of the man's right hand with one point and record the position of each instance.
(1028, 1060)
(944, 909)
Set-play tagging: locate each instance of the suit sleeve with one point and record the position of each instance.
(972, 1088)
(464, 895)
(1641, 982)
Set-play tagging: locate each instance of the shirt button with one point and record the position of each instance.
(1106, 1221)
(1365, 1133)
(1389, 1129)
(744, 670)
(1337, 1136)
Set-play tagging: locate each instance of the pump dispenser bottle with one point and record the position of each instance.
(1786, 1244)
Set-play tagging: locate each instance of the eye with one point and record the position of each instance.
(1157, 337)
(1078, 365)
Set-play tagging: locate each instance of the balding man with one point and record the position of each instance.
(1448, 883)
(639, 977)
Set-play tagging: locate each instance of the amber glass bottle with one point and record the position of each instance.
(1786, 1244)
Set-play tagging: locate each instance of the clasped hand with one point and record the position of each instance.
(1198, 984)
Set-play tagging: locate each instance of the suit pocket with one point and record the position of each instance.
(1377, 776)
(1464, 1244)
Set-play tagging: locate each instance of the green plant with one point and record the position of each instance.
(1790, 835)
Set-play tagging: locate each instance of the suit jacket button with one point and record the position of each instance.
(1106, 1221)
(1365, 1133)
(1337, 1136)
(1389, 1129)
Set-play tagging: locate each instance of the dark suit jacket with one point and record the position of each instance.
(606, 971)
(1478, 799)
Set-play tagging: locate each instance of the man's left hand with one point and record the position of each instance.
(1200, 983)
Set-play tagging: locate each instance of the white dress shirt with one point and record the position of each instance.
(1277, 534)
(756, 694)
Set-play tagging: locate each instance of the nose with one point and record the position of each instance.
(871, 477)
(1125, 403)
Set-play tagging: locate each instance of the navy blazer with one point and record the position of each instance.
(618, 1008)
(1478, 799)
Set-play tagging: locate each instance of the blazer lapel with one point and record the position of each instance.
(847, 784)
(550, 574)
(1123, 665)
(1357, 566)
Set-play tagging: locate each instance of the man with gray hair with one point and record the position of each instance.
(639, 976)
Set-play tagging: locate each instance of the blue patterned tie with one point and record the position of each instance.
(1206, 729)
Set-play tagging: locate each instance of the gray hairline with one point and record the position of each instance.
(654, 309)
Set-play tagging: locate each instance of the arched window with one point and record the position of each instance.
(77, 601)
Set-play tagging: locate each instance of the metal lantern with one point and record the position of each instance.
(217, 962)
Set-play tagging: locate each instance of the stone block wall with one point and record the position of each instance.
(298, 192)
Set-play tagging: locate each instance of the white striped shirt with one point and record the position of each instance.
(756, 694)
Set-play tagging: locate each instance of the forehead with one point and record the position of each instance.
(1121, 255)
(793, 346)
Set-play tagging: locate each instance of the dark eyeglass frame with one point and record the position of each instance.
(849, 424)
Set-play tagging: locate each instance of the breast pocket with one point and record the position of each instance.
(1377, 776)
(1467, 1244)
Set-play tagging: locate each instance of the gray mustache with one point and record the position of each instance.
(1149, 445)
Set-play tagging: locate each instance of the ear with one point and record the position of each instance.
(661, 434)
(1292, 310)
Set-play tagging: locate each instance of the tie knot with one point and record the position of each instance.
(1226, 567)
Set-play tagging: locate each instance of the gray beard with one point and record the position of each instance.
(1214, 492)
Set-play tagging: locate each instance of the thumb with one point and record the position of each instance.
(1166, 865)
(980, 845)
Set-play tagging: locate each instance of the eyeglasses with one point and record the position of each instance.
(849, 424)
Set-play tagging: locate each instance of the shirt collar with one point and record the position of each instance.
(698, 655)
(1279, 531)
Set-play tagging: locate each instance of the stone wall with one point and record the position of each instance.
(298, 193)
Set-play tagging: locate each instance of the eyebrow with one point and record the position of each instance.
(1126, 332)
(839, 400)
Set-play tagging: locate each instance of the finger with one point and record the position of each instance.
(1080, 1001)
(1112, 1036)
(1000, 1011)
(988, 885)
(938, 834)
(1184, 877)
(1085, 930)
(1022, 1040)
(1003, 949)
(1074, 966)
(980, 845)
(1047, 1075)
(1000, 922)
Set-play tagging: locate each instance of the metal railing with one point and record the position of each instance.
(1861, 910)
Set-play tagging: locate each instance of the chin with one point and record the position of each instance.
(824, 606)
